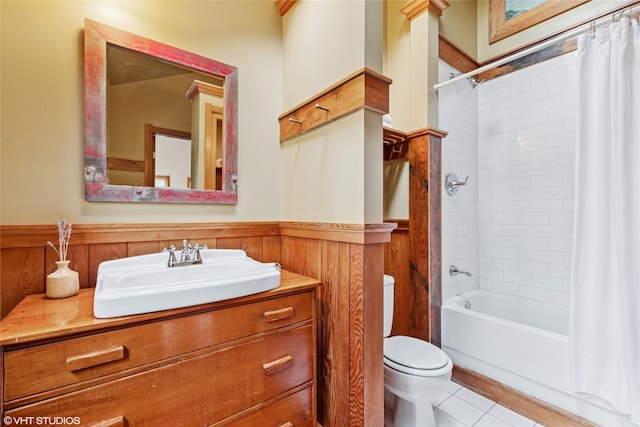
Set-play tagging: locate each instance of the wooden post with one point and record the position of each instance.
(425, 232)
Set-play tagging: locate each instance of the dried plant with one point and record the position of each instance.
(64, 234)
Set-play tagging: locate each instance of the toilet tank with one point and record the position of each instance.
(389, 282)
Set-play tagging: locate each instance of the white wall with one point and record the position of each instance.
(522, 193)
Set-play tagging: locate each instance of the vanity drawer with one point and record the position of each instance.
(45, 367)
(202, 390)
(295, 410)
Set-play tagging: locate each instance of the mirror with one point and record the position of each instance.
(125, 77)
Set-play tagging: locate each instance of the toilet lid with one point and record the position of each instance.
(414, 353)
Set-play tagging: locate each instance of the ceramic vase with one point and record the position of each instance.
(63, 282)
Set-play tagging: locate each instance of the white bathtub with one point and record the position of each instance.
(521, 343)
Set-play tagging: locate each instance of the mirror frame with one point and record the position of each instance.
(96, 38)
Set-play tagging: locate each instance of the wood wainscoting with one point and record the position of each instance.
(396, 264)
(349, 263)
(348, 259)
(26, 260)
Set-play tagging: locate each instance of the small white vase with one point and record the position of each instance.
(63, 282)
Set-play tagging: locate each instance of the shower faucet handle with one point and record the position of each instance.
(452, 183)
(454, 271)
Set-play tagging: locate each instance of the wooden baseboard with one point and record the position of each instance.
(535, 409)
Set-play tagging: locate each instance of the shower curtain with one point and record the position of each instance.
(604, 332)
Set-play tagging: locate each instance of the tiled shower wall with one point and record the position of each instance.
(525, 139)
(458, 115)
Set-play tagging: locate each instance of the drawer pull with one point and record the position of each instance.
(275, 315)
(287, 424)
(277, 365)
(98, 357)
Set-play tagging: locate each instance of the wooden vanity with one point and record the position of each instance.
(241, 362)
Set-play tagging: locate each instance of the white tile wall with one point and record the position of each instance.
(523, 208)
(458, 115)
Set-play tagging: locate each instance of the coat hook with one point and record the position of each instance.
(291, 119)
(322, 107)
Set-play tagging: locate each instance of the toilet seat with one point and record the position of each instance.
(415, 357)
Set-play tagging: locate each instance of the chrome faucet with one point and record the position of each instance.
(454, 271)
(452, 183)
(188, 255)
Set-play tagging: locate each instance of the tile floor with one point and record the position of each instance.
(462, 407)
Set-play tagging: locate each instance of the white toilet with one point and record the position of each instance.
(416, 374)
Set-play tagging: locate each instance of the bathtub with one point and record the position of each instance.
(521, 343)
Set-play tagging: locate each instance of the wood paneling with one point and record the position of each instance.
(350, 266)
(396, 264)
(25, 258)
(347, 258)
(22, 271)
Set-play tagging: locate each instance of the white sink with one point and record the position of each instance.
(144, 284)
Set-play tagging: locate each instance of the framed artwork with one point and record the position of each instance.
(508, 17)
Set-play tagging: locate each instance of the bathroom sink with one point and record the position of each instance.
(145, 283)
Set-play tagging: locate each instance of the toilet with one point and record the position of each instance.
(416, 373)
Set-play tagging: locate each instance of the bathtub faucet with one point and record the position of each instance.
(188, 255)
(454, 271)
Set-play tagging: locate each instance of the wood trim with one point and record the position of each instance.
(551, 52)
(535, 409)
(500, 27)
(150, 132)
(362, 89)
(414, 8)
(129, 165)
(453, 56)
(402, 224)
(347, 233)
(458, 59)
(284, 6)
(198, 87)
(24, 236)
(428, 131)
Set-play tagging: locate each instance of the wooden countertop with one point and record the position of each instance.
(38, 318)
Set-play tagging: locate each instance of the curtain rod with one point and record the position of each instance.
(605, 20)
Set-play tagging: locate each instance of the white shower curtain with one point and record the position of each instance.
(604, 332)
